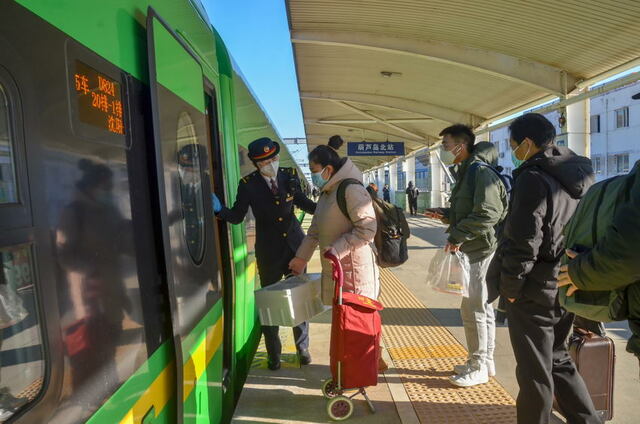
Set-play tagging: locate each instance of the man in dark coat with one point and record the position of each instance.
(412, 198)
(386, 196)
(549, 182)
(272, 192)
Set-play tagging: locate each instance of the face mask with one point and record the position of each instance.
(318, 180)
(270, 170)
(447, 156)
(189, 177)
(518, 162)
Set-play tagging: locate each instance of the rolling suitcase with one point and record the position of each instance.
(595, 359)
(356, 329)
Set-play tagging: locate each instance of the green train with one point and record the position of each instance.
(123, 299)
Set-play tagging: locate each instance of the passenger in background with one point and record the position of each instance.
(478, 204)
(613, 262)
(412, 198)
(272, 192)
(349, 238)
(386, 196)
(549, 182)
(373, 190)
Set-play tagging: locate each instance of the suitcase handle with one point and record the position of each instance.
(337, 276)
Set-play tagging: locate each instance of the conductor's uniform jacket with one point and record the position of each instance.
(278, 231)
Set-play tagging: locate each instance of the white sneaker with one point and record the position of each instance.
(462, 369)
(491, 368)
(471, 378)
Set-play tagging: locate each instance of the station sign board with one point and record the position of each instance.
(382, 148)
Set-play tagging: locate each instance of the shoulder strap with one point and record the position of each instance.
(596, 211)
(341, 197)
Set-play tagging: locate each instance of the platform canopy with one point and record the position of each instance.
(401, 70)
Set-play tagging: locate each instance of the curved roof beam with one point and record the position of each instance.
(547, 78)
(398, 103)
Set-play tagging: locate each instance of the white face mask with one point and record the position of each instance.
(447, 156)
(270, 170)
(189, 177)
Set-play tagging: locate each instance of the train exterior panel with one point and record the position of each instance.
(120, 118)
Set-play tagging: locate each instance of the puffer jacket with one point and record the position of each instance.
(613, 262)
(546, 192)
(478, 203)
(352, 239)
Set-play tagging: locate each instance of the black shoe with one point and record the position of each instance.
(305, 357)
(274, 365)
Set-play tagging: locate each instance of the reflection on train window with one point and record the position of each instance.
(8, 192)
(21, 357)
(189, 157)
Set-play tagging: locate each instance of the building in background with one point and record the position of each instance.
(615, 131)
(614, 128)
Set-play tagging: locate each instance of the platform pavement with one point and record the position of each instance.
(427, 236)
(292, 394)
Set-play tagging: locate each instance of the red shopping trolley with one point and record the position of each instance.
(355, 347)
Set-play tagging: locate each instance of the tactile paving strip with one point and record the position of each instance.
(31, 391)
(424, 353)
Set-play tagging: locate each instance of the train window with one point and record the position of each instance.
(8, 186)
(190, 153)
(21, 356)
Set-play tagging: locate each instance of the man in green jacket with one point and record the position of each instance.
(613, 262)
(478, 204)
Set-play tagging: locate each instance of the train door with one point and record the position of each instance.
(188, 231)
(227, 271)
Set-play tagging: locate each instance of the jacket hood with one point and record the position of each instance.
(347, 170)
(486, 152)
(573, 172)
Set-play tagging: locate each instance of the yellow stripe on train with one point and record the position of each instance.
(202, 355)
(158, 393)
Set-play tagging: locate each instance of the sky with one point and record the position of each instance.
(256, 34)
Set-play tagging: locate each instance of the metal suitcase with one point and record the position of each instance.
(291, 301)
(595, 358)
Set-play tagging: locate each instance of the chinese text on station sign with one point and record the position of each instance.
(99, 99)
(388, 148)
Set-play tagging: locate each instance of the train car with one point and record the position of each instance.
(123, 300)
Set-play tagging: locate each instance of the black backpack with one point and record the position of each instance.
(393, 230)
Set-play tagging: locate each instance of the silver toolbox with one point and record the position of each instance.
(291, 301)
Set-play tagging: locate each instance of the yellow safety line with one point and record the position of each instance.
(424, 353)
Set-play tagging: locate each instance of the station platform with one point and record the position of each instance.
(423, 339)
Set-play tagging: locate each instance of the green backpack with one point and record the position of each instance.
(594, 213)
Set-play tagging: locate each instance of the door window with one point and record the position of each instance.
(190, 172)
(21, 356)
(8, 186)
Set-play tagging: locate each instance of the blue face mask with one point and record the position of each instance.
(518, 162)
(317, 180)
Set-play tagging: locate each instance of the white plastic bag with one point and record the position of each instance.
(449, 273)
(12, 311)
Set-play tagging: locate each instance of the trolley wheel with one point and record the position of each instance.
(330, 389)
(340, 408)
